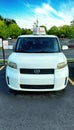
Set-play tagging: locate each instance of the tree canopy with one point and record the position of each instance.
(65, 30)
(9, 28)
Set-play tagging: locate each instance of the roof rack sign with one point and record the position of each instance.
(39, 31)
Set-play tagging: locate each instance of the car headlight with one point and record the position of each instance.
(12, 65)
(61, 65)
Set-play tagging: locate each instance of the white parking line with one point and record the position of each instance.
(2, 67)
(72, 82)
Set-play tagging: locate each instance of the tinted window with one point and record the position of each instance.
(37, 45)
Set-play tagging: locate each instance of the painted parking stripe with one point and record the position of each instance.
(2, 67)
(72, 82)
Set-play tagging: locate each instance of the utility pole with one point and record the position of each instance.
(3, 53)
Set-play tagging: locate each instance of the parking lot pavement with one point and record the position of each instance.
(71, 73)
(7, 52)
(69, 53)
(36, 111)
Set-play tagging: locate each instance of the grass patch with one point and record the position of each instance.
(70, 60)
(2, 61)
(0, 48)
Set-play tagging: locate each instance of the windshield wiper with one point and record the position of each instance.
(44, 52)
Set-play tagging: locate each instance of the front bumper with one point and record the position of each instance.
(36, 82)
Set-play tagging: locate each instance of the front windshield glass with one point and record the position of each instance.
(37, 45)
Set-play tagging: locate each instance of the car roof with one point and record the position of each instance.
(51, 36)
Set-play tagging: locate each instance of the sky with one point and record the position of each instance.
(47, 12)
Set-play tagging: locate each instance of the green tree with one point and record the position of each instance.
(53, 30)
(26, 31)
(1, 18)
(64, 31)
(72, 22)
(3, 29)
(9, 21)
(72, 31)
(14, 30)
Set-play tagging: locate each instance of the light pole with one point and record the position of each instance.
(3, 52)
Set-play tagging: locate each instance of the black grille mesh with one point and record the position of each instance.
(37, 71)
(36, 86)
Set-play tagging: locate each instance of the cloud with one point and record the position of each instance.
(44, 9)
(40, 11)
(68, 10)
(47, 15)
(27, 5)
(54, 17)
(25, 22)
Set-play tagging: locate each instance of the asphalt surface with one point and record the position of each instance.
(69, 53)
(37, 111)
(7, 52)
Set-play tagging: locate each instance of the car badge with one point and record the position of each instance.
(36, 71)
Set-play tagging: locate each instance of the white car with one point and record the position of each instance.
(37, 64)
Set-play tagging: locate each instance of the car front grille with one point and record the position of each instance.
(36, 86)
(37, 71)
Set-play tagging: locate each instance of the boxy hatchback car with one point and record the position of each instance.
(37, 64)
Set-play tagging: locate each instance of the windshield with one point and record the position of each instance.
(37, 45)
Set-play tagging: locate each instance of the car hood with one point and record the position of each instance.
(37, 60)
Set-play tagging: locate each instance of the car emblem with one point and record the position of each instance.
(37, 71)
